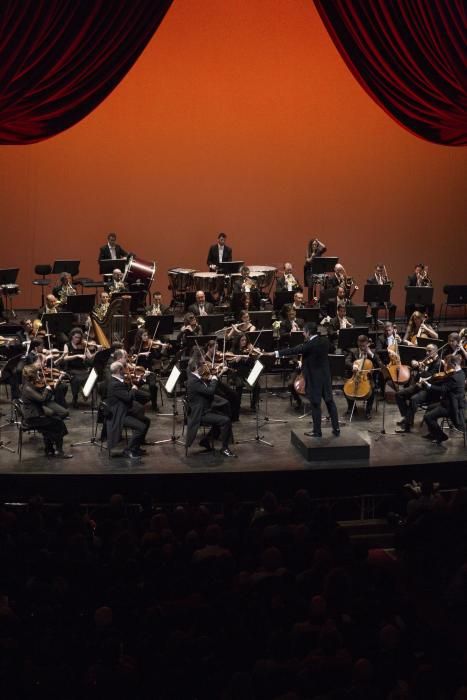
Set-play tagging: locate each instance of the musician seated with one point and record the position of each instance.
(341, 320)
(418, 327)
(245, 283)
(298, 301)
(219, 252)
(451, 390)
(146, 353)
(290, 324)
(51, 427)
(189, 328)
(101, 308)
(157, 308)
(455, 347)
(116, 283)
(111, 250)
(410, 398)
(419, 277)
(65, 289)
(286, 281)
(120, 399)
(244, 356)
(214, 357)
(244, 325)
(201, 307)
(52, 305)
(353, 361)
(76, 360)
(389, 338)
(380, 277)
(201, 408)
(337, 278)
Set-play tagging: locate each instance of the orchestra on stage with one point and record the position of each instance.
(120, 344)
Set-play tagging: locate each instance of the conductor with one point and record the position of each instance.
(317, 374)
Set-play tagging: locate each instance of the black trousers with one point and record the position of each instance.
(221, 427)
(369, 403)
(316, 410)
(139, 428)
(52, 429)
(409, 399)
(431, 419)
(391, 308)
(77, 380)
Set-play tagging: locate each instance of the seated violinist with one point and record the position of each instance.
(244, 325)
(418, 327)
(286, 281)
(76, 361)
(218, 363)
(354, 360)
(157, 308)
(451, 391)
(455, 347)
(410, 398)
(51, 427)
(204, 407)
(116, 284)
(189, 328)
(146, 353)
(244, 356)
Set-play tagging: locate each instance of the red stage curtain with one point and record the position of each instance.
(60, 58)
(409, 55)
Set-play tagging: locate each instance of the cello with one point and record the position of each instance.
(400, 374)
(360, 384)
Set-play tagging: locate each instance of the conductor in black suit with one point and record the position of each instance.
(219, 252)
(119, 400)
(111, 251)
(201, 404)
(317, 372)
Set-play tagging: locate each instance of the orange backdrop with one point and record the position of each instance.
(241, 117)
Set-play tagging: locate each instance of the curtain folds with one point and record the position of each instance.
(409, 55)
(60, 58)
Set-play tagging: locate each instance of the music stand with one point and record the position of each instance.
(164, 325)
(282, 298)
(261, 319)
(106, 267)
(423, 342)
(408, 353)
(252, 380)
(323, 265)
(70, 266)
(231, 267)
(81, 303)
(170, 389)
(194, 340)
(263, 339)
(58, 323)
(419, 296)
(212, 323)
(348, 336)
(377, 293)
(8, 282)
(134, 298)
(358, 312)
(99, 361)
(308, 314)
(8, 275)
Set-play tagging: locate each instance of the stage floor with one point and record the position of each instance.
(393, 460)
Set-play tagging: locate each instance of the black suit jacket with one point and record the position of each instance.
(208, 307)
(452, 393)
(213, 255)
(315, 365)
(164, 309)
(281, 285)
(119, 400)
(200, 396)
(104, 252)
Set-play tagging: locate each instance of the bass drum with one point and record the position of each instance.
(139, 273)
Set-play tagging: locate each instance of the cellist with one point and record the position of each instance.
(355, 357)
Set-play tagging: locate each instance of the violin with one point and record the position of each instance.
(50, 376)
(134, 374)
